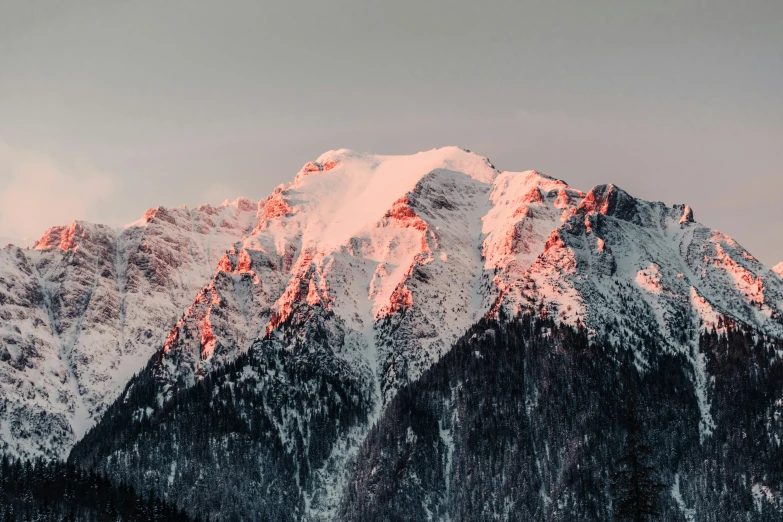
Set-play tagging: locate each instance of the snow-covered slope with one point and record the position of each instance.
(87, 306)
(617, 250)
(398, 255)
(388, 258)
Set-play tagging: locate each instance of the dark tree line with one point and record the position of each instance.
(50, 491)
(522, 420)
(636, 489)
(527, 421)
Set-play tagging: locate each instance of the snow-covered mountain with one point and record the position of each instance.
(406, 251)
(86, 308)
(390, 259)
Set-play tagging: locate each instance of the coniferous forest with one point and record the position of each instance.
(51, 491)
(524, 420)
(530, 421)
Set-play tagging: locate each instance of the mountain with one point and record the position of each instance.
(778, 269)
(86, 308)
(375, 293)
(407, 251)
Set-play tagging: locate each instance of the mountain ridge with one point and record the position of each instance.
(80, 311)
(393, 256)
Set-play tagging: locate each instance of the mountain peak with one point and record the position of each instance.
(687, 214)
(344, 192)
(611, 200)
(449, 158)
(64, 237)
(241, 203)
(395, 256)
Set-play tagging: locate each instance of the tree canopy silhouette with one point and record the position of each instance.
(636, 489)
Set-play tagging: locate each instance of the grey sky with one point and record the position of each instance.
(107, 108)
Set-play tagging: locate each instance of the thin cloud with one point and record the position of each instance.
(36, 193)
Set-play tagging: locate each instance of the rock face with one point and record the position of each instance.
(351, 282)
(778, 269)
(85, 309)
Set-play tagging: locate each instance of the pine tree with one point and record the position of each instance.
(636, 491)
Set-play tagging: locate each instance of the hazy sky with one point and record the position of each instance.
(110, 107)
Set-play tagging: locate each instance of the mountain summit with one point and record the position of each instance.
(402, 252)
(393, 257)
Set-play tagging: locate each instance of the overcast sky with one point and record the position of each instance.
(108, 108)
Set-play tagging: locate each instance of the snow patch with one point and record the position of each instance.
(688, 513)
